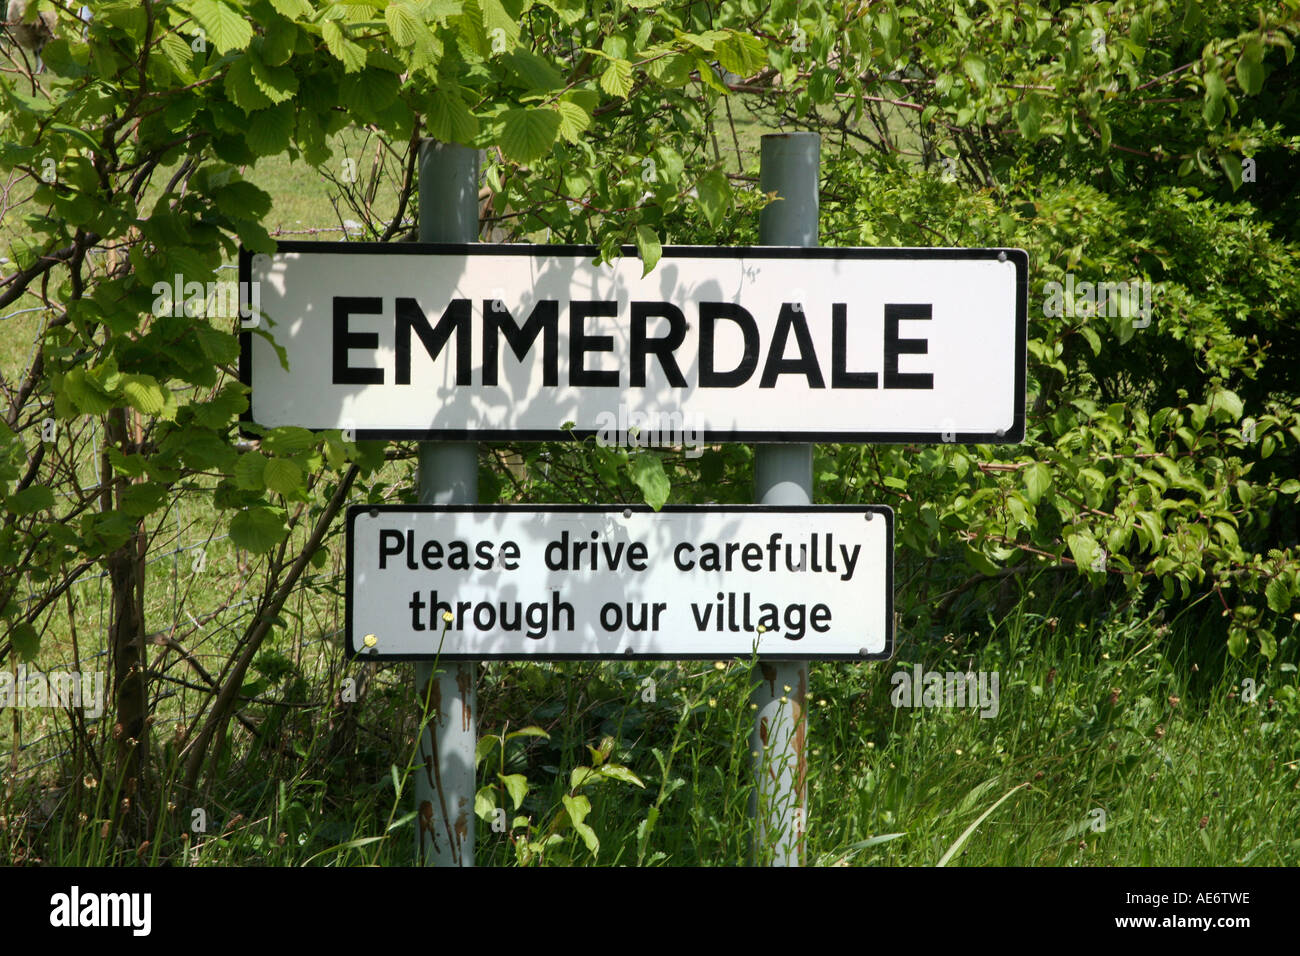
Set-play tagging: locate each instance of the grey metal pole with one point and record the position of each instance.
(789, 164)
(447, 474)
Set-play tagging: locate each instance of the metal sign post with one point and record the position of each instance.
(448, 474)
(789, 165)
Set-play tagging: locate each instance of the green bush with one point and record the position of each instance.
(1161, 451)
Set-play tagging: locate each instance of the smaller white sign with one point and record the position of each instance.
(552, 582)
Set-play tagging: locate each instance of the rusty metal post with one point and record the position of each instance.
(448, 474)
(789, 165)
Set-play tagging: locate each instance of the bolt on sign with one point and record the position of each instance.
(486, 342)
(554, 582)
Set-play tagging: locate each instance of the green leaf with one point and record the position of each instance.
(535, 73)
(649, 248)
(704, 41)
(1214, 84)
(224, 25)
(144, 394)
(485, 805)
(1152, 526)
(1215, 92)
(578, 809)
(740, 53)
(529, 731)
(369, 92)
(614, 46)
(1250, 69)
(288, 440)
(427, 51)
(140, 500)
(517, 786)
(85, 393)
(1212, 111)
(671, 164)
(672, 70)
(581, 776)
(404, 25)
(25, 640)
(978, 560)
(449, 119)
(618, 772)
(574, 120)
(1227, 534)
(242, 89)
(616, 80)
(1278, 594)
(1029, 116)
(714, 193)
(293, 9)
(276, 83)
(223, 408)
(528, 134)
(1038, 478)
(242, 200)
(30, 500)
(132, 466)
(570, 11)
(1229, 402)
(442, 9)
(350, 54)
(270, 130)
(58, 56)
(258, 529)
(282, 475)
(977, 70)
(178, 54)
(281, 38)
(1084, 549)
(1232, 169)
(499, 24)
(648, 474)
(1092, 337)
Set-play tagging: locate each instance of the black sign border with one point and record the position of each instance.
(1019, 257)
(355, 654)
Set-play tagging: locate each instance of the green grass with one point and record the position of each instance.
(1108, 725)
(1122, 741)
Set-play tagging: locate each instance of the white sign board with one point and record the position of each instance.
(551, 582)
(489, 342)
